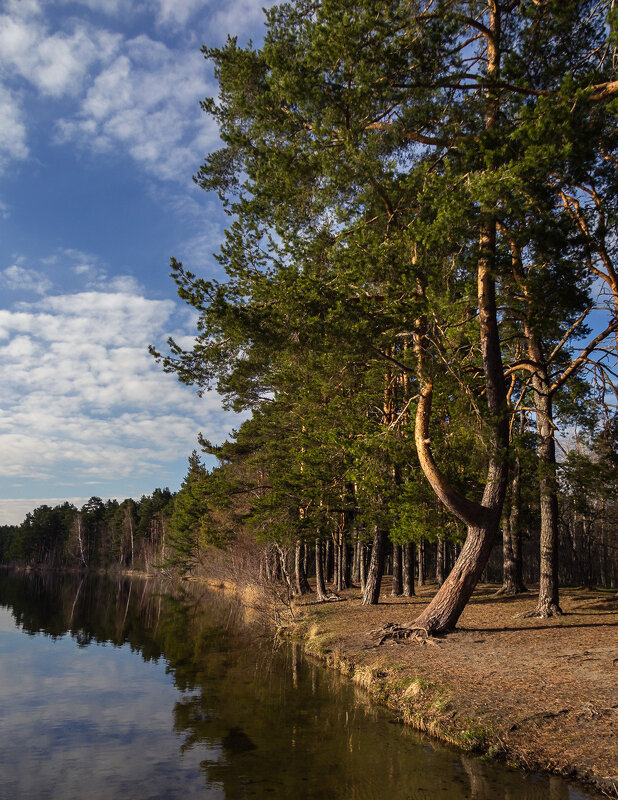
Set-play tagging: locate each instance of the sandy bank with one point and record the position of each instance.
(542, 694)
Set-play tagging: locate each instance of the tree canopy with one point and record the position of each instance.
(421, 200)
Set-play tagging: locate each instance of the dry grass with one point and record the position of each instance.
(541, 693)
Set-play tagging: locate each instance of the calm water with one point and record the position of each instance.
(112, 690)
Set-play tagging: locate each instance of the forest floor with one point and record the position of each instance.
(539, 693)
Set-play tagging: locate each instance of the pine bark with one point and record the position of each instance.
(407, 570)
(356, 561)
(345, 565)
(440, 562)
(363, 566)
(512, 581)
(373, 580)
(420, 547)
(320, 586)
(301, 582)
(549, 602)
(397, 588)
(329, 561)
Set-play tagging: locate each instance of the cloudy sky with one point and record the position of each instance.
(100, 133)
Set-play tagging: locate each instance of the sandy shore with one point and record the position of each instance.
(542, 694)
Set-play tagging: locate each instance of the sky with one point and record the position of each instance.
(100, 134)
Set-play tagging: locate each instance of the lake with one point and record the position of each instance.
(117, 689)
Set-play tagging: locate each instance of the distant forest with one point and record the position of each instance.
(226, 516)
(419, 307)
(126, 535)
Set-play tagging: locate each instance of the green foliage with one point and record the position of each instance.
(364, 150)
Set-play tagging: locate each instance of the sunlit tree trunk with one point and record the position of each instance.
(549, 603)
(512, 582)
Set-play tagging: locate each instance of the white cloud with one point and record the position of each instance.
(55, 63)
(25, 9)
(106, 6)
(239, 16)
(12, 130)
(82, 398)
(17, 278)
(233, 16)
(131, 96)
(146, 102)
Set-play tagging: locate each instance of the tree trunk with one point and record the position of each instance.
(442, 613)
(548, 604)
(440, 562)
(301, 582)
(328, 561)
(420, 547)
(512, 582)
(284, 566)
(356, 561)
(397, 576)
(337, 564)
(373, 582)
(345, 565)
(320, 588)
(407, 569)
(363, 566)
(482, 520)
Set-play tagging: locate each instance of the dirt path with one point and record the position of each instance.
(539, 693)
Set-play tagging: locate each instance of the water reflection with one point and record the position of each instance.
(209, 710)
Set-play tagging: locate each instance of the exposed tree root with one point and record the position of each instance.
(510, 590)
(398, 633)
(330, 597)
(544, 611)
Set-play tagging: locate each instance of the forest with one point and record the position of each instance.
(417, 311)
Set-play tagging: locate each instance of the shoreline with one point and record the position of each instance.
(457, 690)
(538, 695)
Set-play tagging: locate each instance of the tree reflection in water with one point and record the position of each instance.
(262, 720)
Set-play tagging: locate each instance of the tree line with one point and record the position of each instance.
(420, 297)
(129, 534)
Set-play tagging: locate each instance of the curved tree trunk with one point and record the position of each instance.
(373, 582)
(482, 519)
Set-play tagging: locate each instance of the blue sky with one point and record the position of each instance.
(100, 133)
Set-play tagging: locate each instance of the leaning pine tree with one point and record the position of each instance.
(384, 142)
